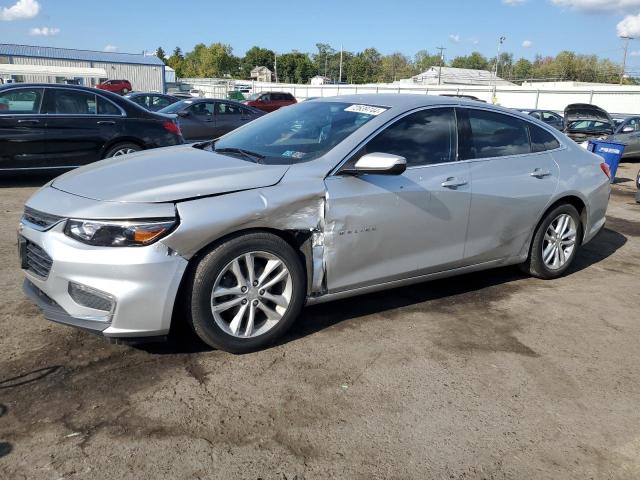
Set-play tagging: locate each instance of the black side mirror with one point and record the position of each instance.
(183, 113)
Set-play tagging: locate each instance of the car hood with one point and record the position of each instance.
(583, 111)
(167, 175)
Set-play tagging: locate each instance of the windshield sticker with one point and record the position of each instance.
(367, 109)
(292, 154)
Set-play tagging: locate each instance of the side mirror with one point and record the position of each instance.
(628, 129)
(183, 113)
(379, 164)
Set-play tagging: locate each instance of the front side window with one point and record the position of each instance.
(299, 133)
(23, 101)
(161, 102)
(496, 135)
(69, 102)
(422, 138)
(142, 100)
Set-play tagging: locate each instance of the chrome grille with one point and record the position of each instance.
(39, 220)
(36, 260)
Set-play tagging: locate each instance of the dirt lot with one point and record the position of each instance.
(486, 376)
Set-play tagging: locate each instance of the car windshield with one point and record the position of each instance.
(298, 133)
(589, 125)
(253, 96)
(176, 107)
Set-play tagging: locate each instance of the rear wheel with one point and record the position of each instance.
(246, 292)
(555, 243)
(122, 149)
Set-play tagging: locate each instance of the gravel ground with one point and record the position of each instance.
(492, 375)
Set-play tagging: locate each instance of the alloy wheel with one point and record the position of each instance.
(123, 151)
(559, 241)
(251, 294)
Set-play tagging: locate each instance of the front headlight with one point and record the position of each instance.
(119, 233)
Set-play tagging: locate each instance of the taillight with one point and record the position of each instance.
(172, 127)
(605, 168)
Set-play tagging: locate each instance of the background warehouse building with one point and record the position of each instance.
(24, 63)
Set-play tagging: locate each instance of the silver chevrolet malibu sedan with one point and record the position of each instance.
(326, 199)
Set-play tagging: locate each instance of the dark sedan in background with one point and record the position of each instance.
(152, 101)
(56, 127)
(208, 118)
(547, 116)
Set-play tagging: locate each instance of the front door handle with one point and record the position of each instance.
(106, 122)
(453, 182)
(539, 173)
(31, 121)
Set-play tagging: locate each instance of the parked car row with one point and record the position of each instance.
(55, 126)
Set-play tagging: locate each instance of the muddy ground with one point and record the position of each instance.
(486, 376)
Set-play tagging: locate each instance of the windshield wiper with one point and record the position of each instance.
(257, 157)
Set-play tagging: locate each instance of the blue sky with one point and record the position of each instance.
(547, 26)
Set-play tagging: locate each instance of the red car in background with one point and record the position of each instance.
(116, 86)
(270, 101)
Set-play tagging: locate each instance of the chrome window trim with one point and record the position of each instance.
(123, 114)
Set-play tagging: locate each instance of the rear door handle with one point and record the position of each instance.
(106, 122)
(539, 173)
(32, 121)
(453, 182)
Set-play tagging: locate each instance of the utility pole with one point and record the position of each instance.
(275, 65)
(340, 74)
(495, 71)
(624, 58)
(441, 53)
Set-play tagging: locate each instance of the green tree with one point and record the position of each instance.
(176, 60)
(475, 61)
(161, 55)
(522, 69)
(394, 67)
(216, 60)
(424, 61)
(256, 57)
(295, 67)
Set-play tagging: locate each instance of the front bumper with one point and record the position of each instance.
(143, 282)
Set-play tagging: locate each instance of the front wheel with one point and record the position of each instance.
(555, 243)
(246, 292)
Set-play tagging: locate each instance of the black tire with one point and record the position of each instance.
(121, 146)
(535, 265)
(638, 180)
(198, 297)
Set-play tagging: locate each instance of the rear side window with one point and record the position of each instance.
(23, 101)
(541, 140)
(105, 107)
(423, 138)
(496, 135)
(227, 109)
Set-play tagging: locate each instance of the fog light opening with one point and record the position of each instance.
(92, 298)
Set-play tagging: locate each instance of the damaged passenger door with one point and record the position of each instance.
(380, 227)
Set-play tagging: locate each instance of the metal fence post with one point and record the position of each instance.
(537, 97)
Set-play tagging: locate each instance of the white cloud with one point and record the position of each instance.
(454, 38)
(21, 10)
(110, 48)
(527, 44)
(629, 26)
(602, 6)
(513, 3)
(44, 31)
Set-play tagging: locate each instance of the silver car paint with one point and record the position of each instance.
(364, 233)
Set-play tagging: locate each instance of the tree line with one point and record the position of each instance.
(370, 66)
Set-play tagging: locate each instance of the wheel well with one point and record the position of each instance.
(299, 240)
(575, 202)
